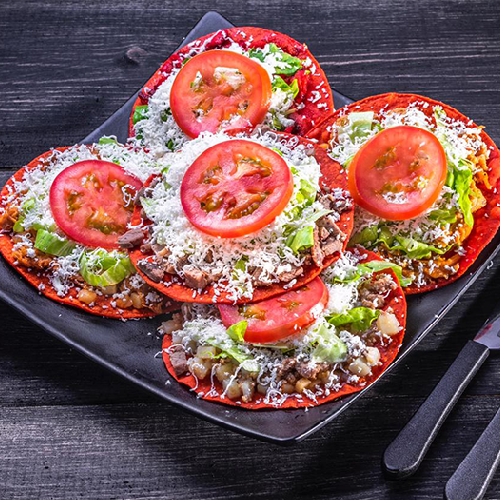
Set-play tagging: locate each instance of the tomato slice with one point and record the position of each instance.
(220, 89)
(235, 188)
(92, 202)
(279, 317)
(399, 173)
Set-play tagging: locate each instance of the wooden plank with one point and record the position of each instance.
(152, 451)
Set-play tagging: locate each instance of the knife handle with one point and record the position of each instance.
(404, 455)
(474, 474)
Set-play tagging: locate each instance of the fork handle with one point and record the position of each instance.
(404, 455)
(472, 477)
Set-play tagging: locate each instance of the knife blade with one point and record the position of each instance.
(405, 454)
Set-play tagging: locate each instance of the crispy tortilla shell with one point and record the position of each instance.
(314, 88)
(333, 176)
(486, 219)
(102, 305)
(388, 352)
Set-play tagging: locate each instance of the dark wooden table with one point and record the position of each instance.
(68, 428)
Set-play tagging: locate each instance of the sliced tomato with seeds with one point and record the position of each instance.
(92, 202)
(235, 188)
(220, 89)
(399, 173)
(280, 317)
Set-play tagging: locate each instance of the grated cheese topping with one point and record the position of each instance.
(203, 326)
(460, 142)
(159, 132)
(265, 249)
(35, 185)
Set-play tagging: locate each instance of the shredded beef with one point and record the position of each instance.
(338, 204)
(374, 292)
(288, 276)
(195, 278)
(331, 246)
(311, 370)
(316, 252)
(178, 359)
(153, 271)
(131, 238)
(287, 367)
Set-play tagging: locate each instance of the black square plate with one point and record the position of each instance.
(126, 349)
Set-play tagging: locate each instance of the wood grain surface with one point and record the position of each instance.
(68, 428)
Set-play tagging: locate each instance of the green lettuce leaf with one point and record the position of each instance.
(372, 267)
(462, 183)
(108, 140)
(101, 268)
(291, 64)
(302, 239)
(444, 215)
(360, 124)
(53, 244)
(359, 318)
(329, 348)
(414, 249)
(293, 88)
(231, 349)
(237, 331)
(140, 113)
(26, 207)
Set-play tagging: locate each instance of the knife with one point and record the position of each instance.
(472, 477)
(405, 454)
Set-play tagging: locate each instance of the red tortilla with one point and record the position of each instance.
(102, 306)
(486, 219)
(388, 352)
(332, 176)
(315, 93)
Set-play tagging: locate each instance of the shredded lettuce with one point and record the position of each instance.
(231, 348)
(462, 184)
(299, 239)
(444, 215)
(359, 125)
(102, 268)
(26, 207)
(53, 244)
(359, 318)
(414, 249)
(241, 265)
(107, 140)
(282, 347)
(237, 331)
(328, 348)
(140, 113)
(293, 88)
(302, 239)
(460, 174)
(289, 64)
(372, 267)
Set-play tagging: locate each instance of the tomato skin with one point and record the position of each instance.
(404, 160)
(277, 318)
(94, 215)
(219, 102)
(235, 188)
